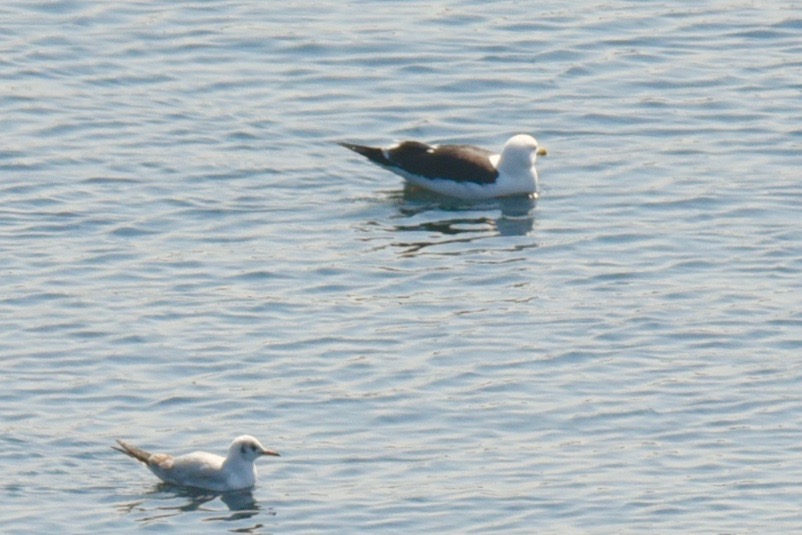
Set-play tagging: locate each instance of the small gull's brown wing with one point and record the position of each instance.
(132, 451)
(161, 460)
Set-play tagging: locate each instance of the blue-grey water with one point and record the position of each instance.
(186, 255)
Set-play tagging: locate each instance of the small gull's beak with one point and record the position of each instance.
(269, 452)
(541, 151)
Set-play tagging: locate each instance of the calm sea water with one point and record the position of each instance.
(186, 255)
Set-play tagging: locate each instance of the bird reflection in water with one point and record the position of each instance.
(517, 218)
(241, 505)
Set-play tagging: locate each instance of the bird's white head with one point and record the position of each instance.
(247, 448)
(521, 151)
(517, 163)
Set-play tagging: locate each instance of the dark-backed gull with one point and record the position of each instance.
(462, 171)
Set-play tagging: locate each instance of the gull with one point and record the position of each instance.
(235, 471)
(462, 171)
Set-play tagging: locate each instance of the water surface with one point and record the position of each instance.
(187, 255)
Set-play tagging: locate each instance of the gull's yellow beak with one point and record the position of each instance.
(541, 151)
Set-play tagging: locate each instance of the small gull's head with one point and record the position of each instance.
(248, 448)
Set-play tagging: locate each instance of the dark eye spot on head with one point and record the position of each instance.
(253, 447)
(242, 450)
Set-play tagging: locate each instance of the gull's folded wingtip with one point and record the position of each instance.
(121, 447)
(374, 154)
(350, 146)
(131, 451)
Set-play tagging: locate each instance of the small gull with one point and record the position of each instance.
(462, 171)
(235, 471)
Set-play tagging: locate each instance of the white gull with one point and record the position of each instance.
(235, 471)
(462, 171)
